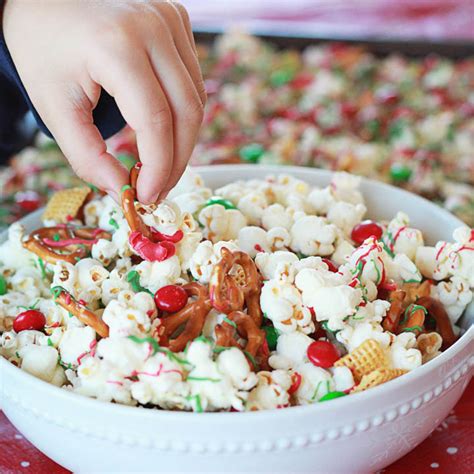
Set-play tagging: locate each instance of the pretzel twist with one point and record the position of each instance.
(85, 315)
(443, 323)
(64, 243)
(228, 291)
(245, 327)
(192, 317)
(392, 319)
(129, 196)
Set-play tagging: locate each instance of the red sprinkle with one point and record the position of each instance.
(171, 298)
(31, 319)
(322, 354)
(296, 378)
(331, 265)
(258, 248)
(364, 230)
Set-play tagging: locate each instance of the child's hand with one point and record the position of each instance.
(141, 53)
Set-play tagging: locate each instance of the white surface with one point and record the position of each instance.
(360, 433)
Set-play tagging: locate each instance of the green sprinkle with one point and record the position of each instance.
(223, 202)
(148, 340)
(252, 359)
(387, 248)
(44, 273)
(157, 348)
(412, 281)
(412, 308)
(127, 160)
(316, 390)
(113, 223)
(133, 277)
(400, 173)
(3, 285)
(251, 153)
(324, 324)
(332, 396)
(219, 349)
(203, 379)
(197, 401)
(379, 277)
(56, 237)
(203, 339)
(50, 343)
(413, 328)
(124, 188)
(272, 336)
(229, 321)
(56, 291)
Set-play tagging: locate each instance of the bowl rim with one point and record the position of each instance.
(111, 407)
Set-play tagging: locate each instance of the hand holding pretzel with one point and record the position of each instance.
(192, 317)
(145, 241)
(64, 243)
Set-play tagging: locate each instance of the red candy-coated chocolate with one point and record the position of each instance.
(29, 320)
(364, 230)
(331, 265)
(171, 298)
(322, 354)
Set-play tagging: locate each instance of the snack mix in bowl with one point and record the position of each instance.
(263, 294)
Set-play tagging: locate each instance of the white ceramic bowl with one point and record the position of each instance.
(360, 433)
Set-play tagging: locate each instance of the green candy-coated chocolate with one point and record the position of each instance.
(223, 202)
(400, 173)
(272, 337)
(3, 285)
(332, 396)
(251, 153)
(281, 77)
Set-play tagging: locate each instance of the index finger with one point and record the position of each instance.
(140, 98)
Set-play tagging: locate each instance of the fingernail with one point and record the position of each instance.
(151, 199)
